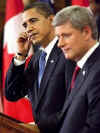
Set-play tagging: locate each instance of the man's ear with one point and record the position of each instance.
(87, 32)
(51, 18)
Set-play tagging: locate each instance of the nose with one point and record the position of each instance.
(60, 42)
(29, 31)
(30, 28)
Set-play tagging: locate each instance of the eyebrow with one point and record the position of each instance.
(34, 19)
(31, 19)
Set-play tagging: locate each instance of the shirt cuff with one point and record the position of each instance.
(18, 62)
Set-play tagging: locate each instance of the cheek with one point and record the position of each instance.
(71, 40)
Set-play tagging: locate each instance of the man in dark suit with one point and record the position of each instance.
(77, 33)
(47, 97)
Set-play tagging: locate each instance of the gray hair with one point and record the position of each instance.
(78, 16)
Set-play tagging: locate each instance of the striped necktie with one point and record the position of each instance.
(41, 66)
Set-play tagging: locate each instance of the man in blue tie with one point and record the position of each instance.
(47, 92)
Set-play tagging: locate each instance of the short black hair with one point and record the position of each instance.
(42, 7)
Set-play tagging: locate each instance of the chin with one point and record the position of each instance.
(66, 56)
(35, 42)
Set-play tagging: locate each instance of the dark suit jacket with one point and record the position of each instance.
(49, 98)
(98, 26)
(81, 112)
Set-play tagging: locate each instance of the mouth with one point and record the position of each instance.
(65, 49)
(32, 35)
(66, 52)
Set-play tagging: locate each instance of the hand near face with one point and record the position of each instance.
(24, 43)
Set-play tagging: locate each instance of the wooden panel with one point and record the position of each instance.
(10, 125)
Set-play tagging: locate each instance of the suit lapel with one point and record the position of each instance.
(35, 73)
(50, 67)
(82, 76)
(68, 75)
(78, 83)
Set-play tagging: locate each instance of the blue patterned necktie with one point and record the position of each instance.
(41, 66)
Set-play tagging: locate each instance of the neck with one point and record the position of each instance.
(48, 39)
(90, 44)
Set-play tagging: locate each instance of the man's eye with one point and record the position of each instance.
(33, 20)
(25, 25)
(66, 36)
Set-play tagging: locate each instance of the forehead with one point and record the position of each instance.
(31, 13)
(64, 28)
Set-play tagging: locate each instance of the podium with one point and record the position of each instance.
(10, 125)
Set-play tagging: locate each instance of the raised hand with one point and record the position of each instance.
(24, 44)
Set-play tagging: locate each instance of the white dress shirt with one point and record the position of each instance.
(83, 60)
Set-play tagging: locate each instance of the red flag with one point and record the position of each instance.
(22, 109)
(80, 2)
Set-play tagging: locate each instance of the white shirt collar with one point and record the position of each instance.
(49, 48)
(83, 60)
